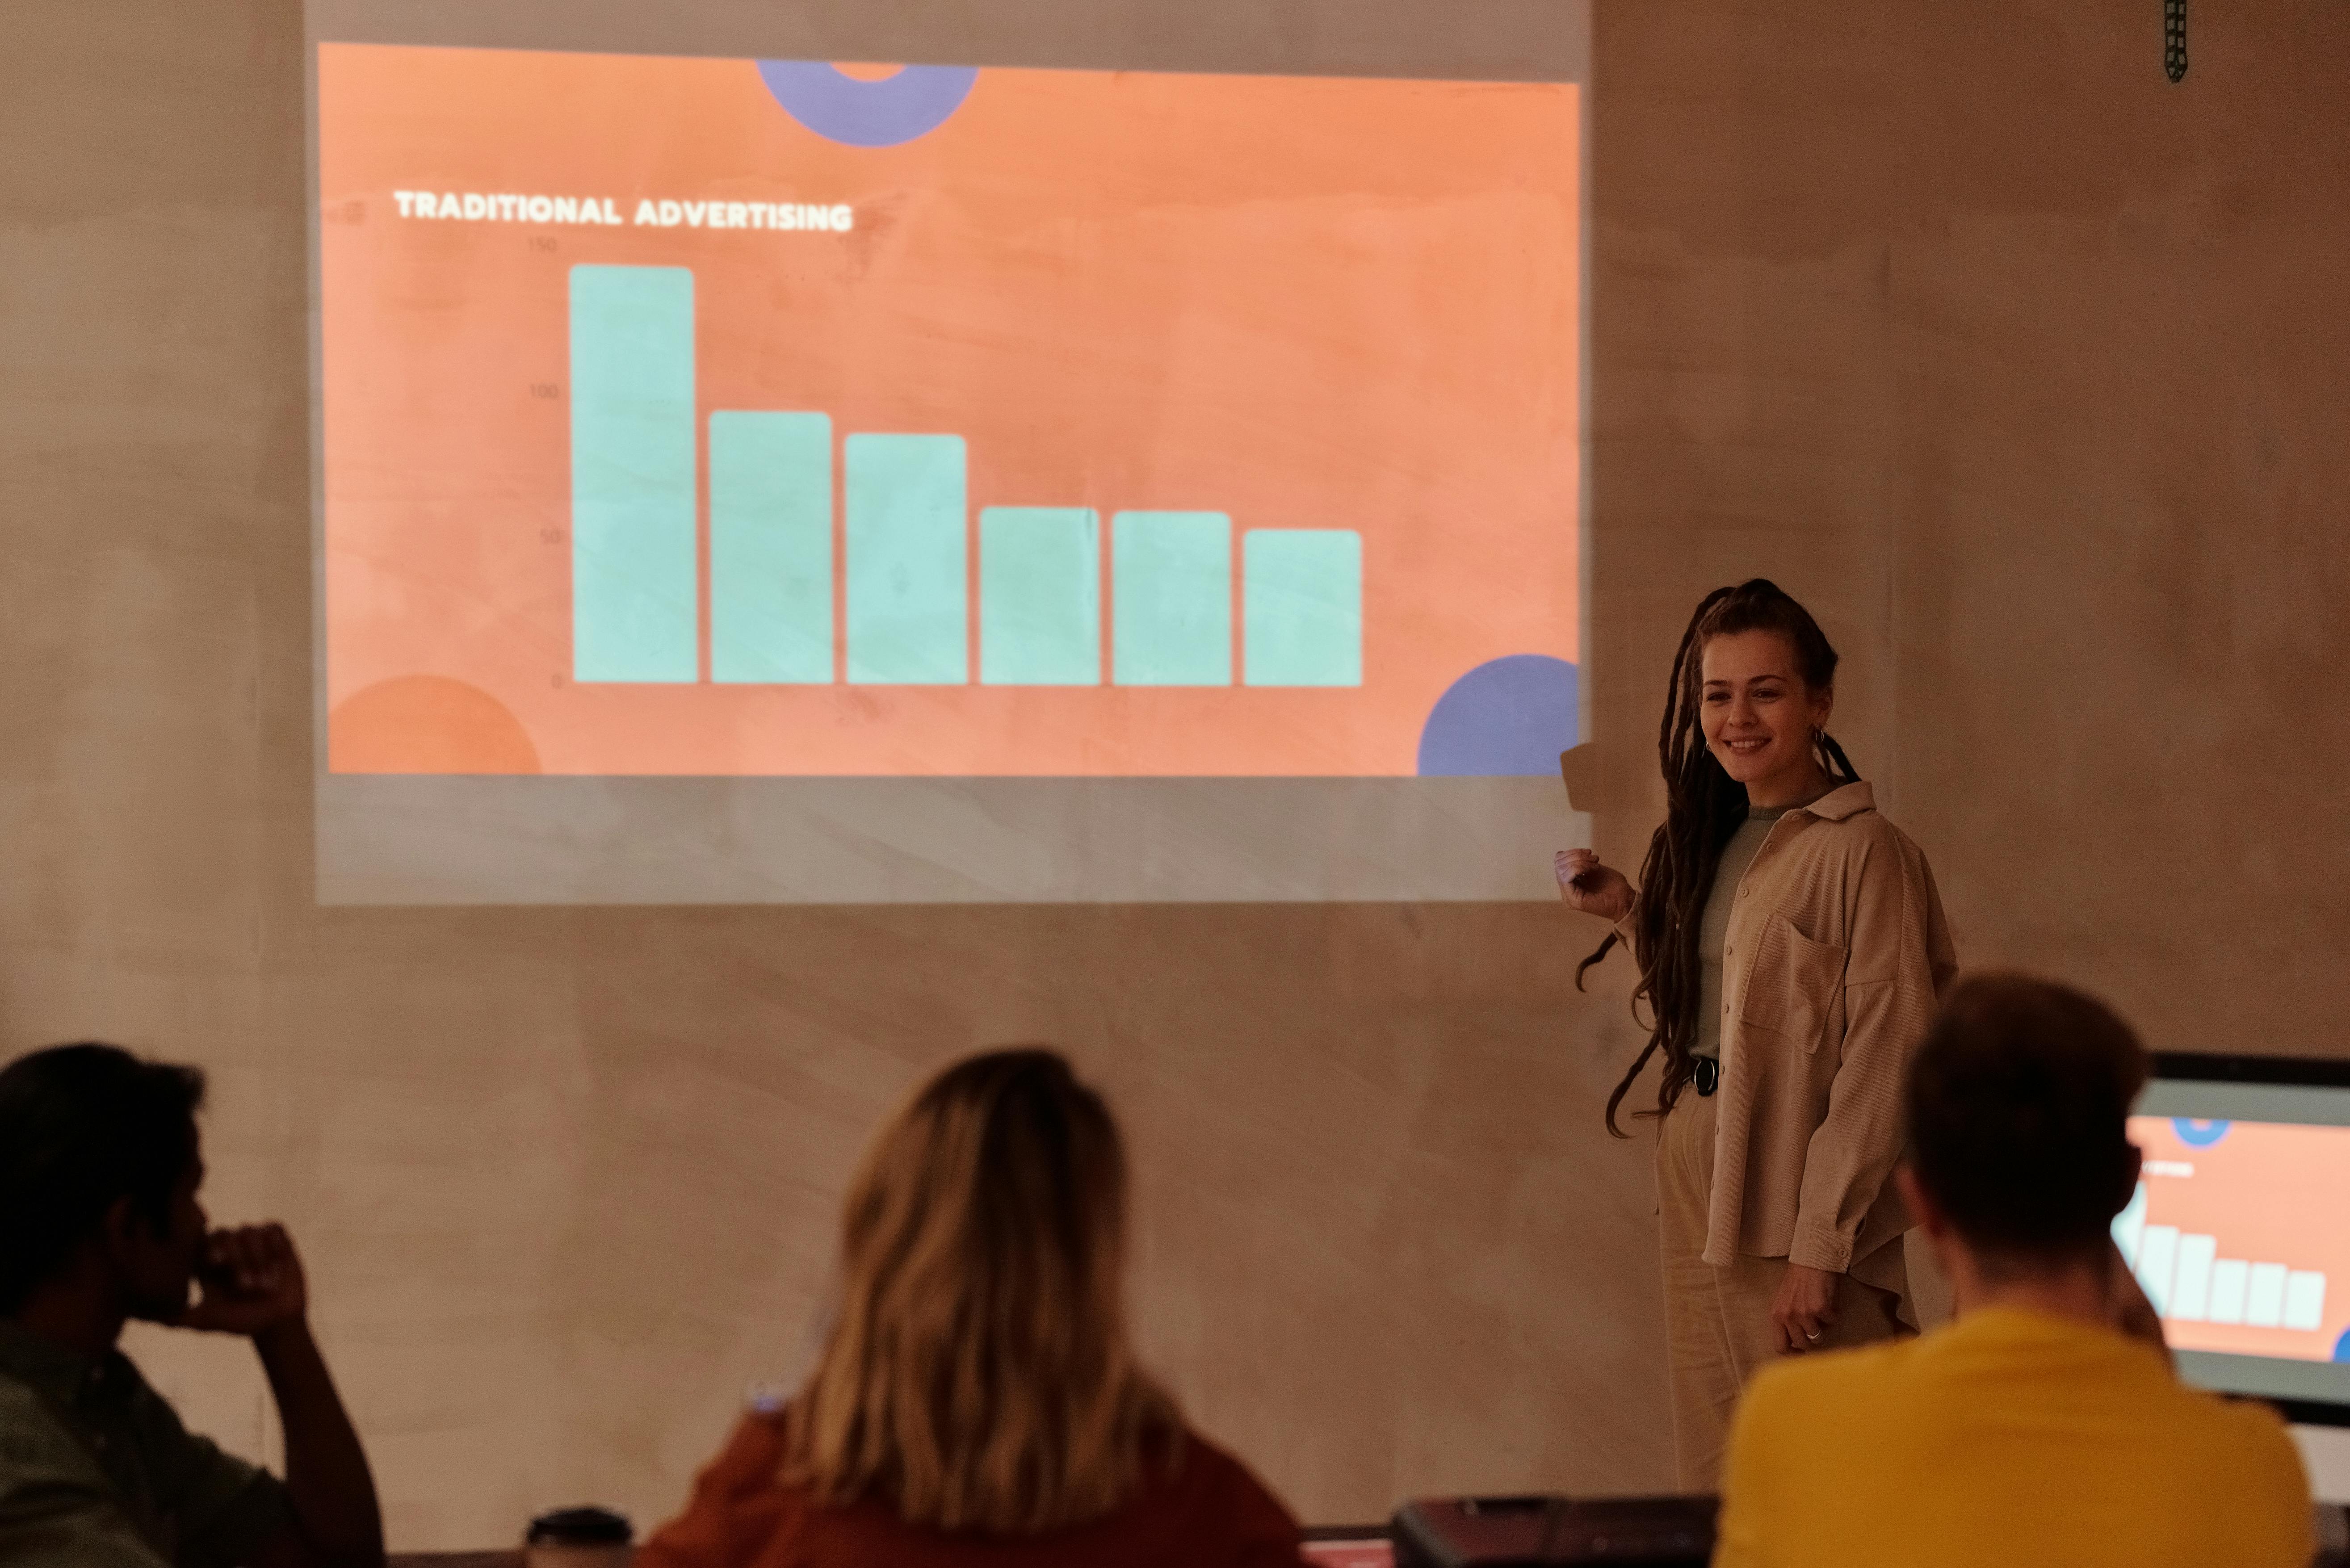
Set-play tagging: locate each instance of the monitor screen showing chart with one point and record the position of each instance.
(2237, 1236)
(782, 419)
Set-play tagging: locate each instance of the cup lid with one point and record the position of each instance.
(583, 1526)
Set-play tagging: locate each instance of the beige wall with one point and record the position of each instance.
(2025, 367)
(2031, 371)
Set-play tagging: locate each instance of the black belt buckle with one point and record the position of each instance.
(1707, 1076)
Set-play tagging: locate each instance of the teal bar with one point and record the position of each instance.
(909, 561)
(771, 548)
(1302, 607)
(1171, 598)
(1040, 596)
(635, 589)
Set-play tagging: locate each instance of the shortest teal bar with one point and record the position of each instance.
(1302, 607)
(1171, 598)
(1039, 596)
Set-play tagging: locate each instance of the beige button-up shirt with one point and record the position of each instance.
(1837, 956)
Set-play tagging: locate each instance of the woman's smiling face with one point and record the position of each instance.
(1759, 715)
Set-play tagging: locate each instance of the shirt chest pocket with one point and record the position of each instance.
(1792, 988)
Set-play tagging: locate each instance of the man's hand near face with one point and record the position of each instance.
(251, 1281)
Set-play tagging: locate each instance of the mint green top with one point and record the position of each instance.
(97, 1471)
(1713, 928)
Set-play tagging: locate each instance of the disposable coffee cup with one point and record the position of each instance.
(579, 1538)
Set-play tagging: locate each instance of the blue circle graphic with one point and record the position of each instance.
(2199, 1135)
(2341, 1349)
(885, 113)
(1507, 718)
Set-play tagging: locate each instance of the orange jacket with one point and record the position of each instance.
(1209, 1511)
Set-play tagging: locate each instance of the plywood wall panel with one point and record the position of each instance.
(2066, 454)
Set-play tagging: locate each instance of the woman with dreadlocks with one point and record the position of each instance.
(1791, 948)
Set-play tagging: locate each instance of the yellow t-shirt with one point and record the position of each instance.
(2009, 1439)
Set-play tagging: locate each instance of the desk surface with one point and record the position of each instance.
(1354, 1547)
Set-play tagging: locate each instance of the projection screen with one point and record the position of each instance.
(871, 454)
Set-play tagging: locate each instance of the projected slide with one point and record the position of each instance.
(2236, 1237)
(693, 416)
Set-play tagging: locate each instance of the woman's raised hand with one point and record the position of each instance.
(1590, 887)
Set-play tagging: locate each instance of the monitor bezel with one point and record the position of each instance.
(2203, 1067)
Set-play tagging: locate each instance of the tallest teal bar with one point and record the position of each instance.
(635, 609)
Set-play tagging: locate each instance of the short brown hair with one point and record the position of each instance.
(978, 1374)
(80, 1126)
(2018, 1102)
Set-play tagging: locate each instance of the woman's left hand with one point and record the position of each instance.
(1805, 1308)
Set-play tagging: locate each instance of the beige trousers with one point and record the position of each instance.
(1718, 1329)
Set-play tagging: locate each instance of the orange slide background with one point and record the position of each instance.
(2270, 1192)
(1306, 303)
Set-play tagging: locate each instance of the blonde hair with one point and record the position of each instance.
(978, 1373)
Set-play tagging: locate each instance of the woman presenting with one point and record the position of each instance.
(1792, 946)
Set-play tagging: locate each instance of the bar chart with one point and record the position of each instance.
(1140, 467)
(2187, 1280)
(1175, 613)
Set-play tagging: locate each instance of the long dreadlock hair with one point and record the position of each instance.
(1704, 808)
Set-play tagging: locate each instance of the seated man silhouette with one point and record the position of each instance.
(2045, 1425)
(100, 1165)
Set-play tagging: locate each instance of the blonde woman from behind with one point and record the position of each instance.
(977, 1399)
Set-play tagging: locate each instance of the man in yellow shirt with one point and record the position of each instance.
(2045, 1425)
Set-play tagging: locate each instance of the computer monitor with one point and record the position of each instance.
(2240, 1230)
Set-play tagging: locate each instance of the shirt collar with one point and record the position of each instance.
(2017, 1324)
(1847, 800)
(47, 1368)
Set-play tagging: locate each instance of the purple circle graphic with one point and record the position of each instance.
(1508, 717)
(914, 102)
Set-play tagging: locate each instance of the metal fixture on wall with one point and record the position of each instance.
(2174, 38)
